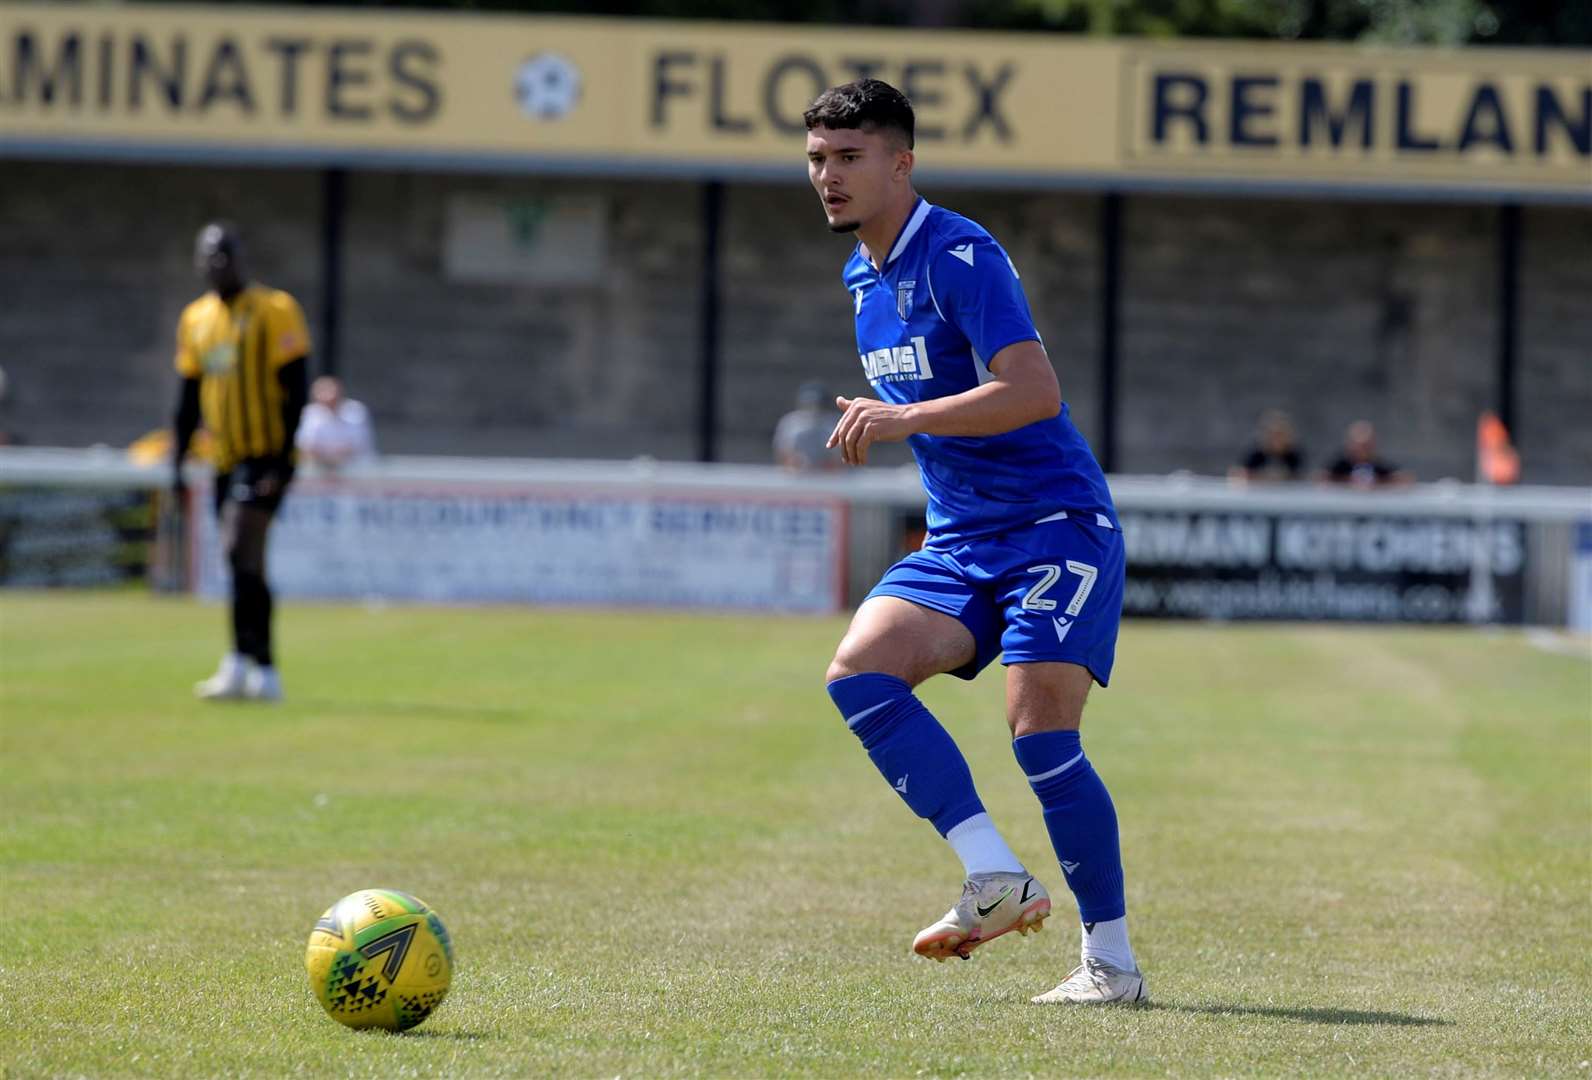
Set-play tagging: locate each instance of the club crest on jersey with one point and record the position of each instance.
(904, 292)
(900, 363)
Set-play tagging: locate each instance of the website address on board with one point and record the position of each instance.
(1322, 597)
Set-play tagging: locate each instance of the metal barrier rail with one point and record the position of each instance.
(101, 467)
(1198, 546)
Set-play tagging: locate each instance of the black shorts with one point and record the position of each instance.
(240, 484)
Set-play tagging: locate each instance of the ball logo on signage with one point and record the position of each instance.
(547, 86)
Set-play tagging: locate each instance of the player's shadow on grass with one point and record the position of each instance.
(1310, 1016)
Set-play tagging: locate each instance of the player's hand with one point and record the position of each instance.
(268, 482)
(863, 422)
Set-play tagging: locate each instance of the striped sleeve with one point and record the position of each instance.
(290, 335)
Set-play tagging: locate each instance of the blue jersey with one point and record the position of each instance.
(947, 300)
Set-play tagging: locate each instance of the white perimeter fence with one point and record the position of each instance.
(751, 538)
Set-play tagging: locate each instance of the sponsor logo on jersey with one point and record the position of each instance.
(220, 359)
(899, 363)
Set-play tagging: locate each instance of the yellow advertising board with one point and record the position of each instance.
(424, 90)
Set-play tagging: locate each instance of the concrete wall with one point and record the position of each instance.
(96, 265)
(604, 370)
(1334, 311)
(1349, 310)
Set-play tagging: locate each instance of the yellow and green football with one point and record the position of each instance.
(379, 958)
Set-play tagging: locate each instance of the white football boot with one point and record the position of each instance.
(262, 684)
(227, 684)
(991, 905)
(1095, 982)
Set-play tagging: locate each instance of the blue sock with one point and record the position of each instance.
(909, 747)
(1081, 820)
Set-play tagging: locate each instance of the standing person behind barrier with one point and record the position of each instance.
(336, 430)
(242, 354)
(802, 435)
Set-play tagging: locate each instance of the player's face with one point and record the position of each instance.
(853, 172)
(214, 256)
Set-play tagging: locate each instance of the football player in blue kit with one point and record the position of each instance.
(1023, 558)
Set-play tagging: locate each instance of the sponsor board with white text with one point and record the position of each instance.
(1196, 564)
(460, 545)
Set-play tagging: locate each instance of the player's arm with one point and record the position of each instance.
(294, 378)
(1024, 390)
(185, 421)
(289, 338)
(289, 347)
(976, 290)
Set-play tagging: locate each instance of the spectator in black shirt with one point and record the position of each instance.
(1275, 454)
(1358, 464)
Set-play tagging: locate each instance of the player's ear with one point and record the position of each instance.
(903, 164)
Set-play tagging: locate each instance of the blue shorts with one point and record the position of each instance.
(1050, 591)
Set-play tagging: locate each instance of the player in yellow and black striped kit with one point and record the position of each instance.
(242, 355)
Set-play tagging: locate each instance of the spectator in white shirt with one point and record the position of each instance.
(335, 431)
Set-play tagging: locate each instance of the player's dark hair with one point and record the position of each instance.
(866, 105)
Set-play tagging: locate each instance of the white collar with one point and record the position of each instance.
(914, 223)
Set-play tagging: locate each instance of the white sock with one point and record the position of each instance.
(978, 843)
(1108, 941)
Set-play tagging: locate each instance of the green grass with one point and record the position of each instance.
(1348, 851)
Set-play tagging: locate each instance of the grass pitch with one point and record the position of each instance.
(1348, 852)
